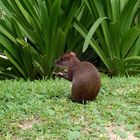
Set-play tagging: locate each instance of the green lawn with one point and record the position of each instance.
(41, 110)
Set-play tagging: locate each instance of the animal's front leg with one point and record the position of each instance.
(62, 74)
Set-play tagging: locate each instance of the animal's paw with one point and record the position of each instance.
(58, 73)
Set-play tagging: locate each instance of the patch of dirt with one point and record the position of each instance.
(28, 123)
(113, 136)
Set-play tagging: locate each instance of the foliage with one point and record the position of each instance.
(117, 40)
(34, 33)
(42, 110)
(45, 24)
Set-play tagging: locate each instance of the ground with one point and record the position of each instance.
(42, 110)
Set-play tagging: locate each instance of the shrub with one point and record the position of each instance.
(117, 40)
(44, 24)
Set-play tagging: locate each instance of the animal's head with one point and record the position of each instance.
(65, 60)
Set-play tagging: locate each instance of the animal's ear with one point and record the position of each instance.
(72, 53)
(69, 55)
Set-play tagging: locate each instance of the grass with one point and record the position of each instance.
(42, 110)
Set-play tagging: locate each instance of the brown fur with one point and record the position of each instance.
(84, 76)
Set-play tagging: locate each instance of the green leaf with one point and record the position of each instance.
(105, 28)
(8, 6)
(7, 34)
(72, 10)
(91, 32)
(17, 31)
(7, 44)
(115, 5)
(132, 59)
(15, 63)
(115, 34)
(127, 16)
(129, 40)
(61, 39)
(55, 9)
(93, 43)
(23, 11)
(32, 12)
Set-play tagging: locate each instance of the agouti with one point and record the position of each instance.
(84, 76)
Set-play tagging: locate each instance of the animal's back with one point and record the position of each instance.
(86, 82)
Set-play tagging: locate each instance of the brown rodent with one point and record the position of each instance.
(84, 76)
